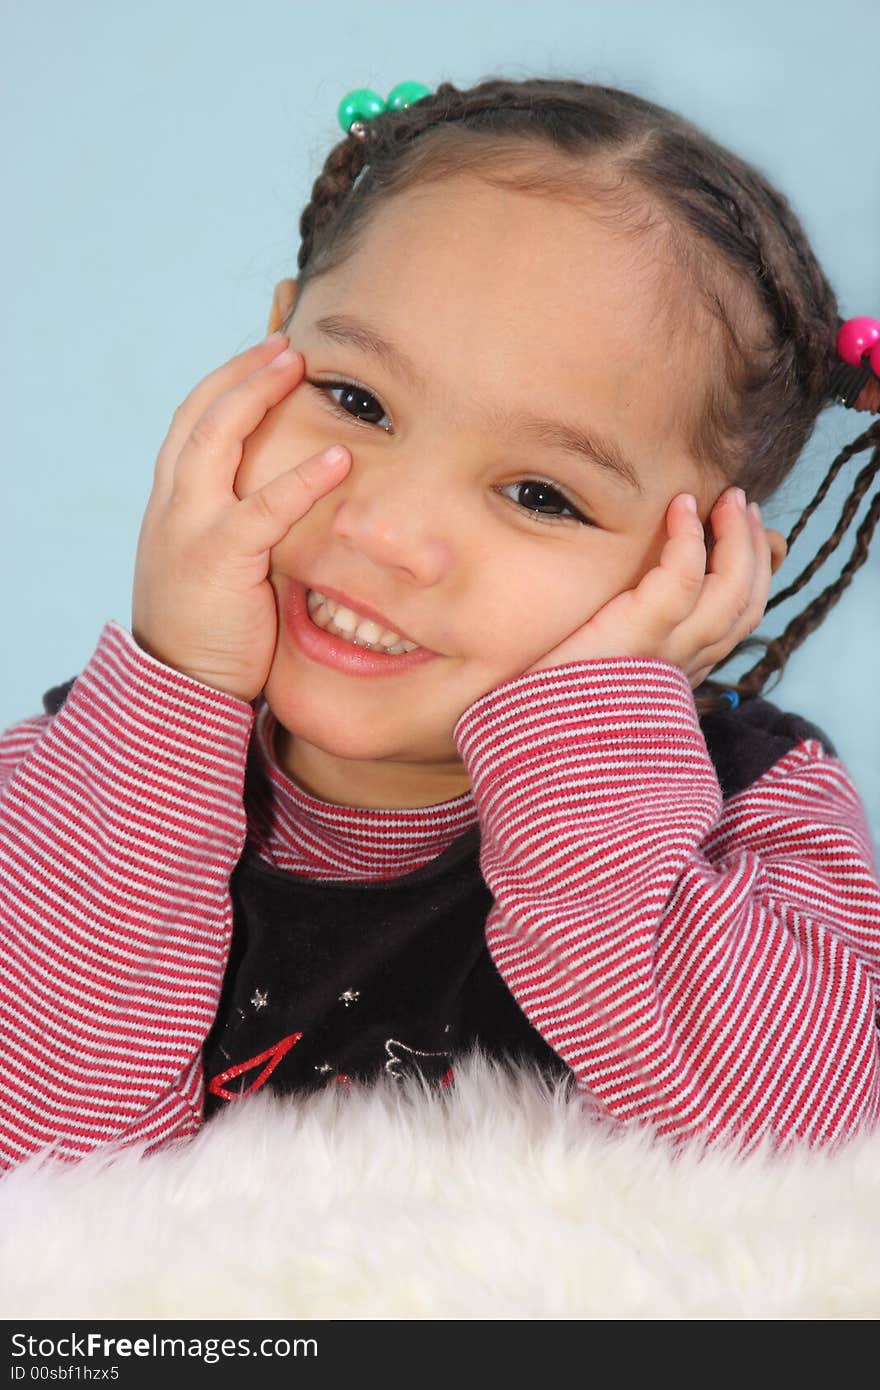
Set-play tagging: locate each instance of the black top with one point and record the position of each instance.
(330, 981)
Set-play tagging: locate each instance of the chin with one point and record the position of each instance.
(358, 742)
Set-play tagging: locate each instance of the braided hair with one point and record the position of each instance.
(739, 251)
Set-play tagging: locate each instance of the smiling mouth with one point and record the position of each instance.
(351, 627)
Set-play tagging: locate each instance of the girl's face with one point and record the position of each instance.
(484, 535)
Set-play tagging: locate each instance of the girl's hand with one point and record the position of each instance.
(682, 610)
(201, 599)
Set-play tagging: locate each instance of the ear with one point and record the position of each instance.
(283, 300)
(778, 548)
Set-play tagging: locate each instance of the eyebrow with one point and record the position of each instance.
(573, 439)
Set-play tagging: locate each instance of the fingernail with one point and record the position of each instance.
(335, 454)
(739, 498)
(274, 337)
(284, 359)
(690, 502)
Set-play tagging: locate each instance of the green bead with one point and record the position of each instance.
(406, 94)
(359, 105)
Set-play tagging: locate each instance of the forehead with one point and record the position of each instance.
(541, 262)
(496, 292)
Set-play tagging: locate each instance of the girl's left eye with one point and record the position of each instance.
(542, 496)
(354, 398)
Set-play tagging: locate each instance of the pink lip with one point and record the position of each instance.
(333, 651)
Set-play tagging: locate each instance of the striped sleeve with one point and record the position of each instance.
(121, 820)
(704, 967)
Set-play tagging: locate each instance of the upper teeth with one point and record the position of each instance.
(344, 622)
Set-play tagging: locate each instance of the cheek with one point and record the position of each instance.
(281, 441)
(643, 550)
(529, 606)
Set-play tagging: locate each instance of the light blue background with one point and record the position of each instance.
(156, 161)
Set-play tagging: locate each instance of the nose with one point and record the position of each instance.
(387, 511)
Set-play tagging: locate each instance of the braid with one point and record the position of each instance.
(740, 245)
(793, 288)
(805, 307)
(388, 133)
(778, 650)
(859, 488)
(341, 167)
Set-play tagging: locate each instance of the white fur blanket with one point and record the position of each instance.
(498, 1199)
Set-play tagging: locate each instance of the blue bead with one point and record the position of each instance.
(731, 697)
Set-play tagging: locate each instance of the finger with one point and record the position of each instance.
(697, 677)
(264, 517)
(763, 568)
(670, 590)
(728, 616)
(202, 395)
(778, 547)
(731, 572)
(209, 460)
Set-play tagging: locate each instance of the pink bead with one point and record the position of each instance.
(858, 336)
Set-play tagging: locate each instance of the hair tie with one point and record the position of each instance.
(362, 105)
(856, 338)
(731, 697)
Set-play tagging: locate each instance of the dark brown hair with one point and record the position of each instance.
(724, 235)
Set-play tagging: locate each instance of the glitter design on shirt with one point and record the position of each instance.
(395, 1061)
(272, 1056)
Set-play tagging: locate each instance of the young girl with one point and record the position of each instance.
(412, 745)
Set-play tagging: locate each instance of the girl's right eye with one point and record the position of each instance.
(354, 398)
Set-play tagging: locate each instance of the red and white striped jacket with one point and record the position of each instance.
(705, 966)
